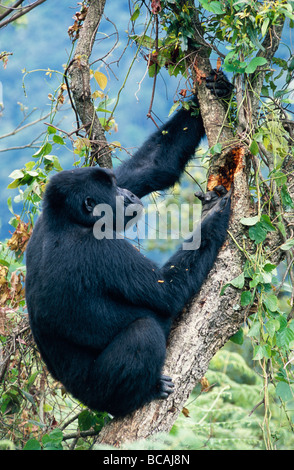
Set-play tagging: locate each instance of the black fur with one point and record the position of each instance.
(99, 310)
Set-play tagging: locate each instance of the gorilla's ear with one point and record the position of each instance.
(104, 175)
(89, 204)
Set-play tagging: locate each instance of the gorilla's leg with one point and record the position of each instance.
(128, 371)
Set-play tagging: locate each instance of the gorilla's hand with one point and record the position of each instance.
(219, 85)
(217, 199)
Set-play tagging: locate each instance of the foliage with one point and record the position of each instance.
(242, 408)
(35, 411)
(223, 414)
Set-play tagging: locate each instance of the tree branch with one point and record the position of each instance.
(22, 12)
(79, 73)
(10, 9)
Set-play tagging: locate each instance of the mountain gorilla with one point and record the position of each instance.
(99, 310)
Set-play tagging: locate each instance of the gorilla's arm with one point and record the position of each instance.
(158, 164)
(167, 290)
(160, 161)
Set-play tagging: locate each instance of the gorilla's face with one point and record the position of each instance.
(86, 195)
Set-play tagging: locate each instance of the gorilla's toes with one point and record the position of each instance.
(165, 387)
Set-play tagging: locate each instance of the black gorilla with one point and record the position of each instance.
(101, 312)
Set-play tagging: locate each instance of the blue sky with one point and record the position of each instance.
(43, 43)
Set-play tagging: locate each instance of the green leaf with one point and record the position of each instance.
(286, 198)
(30, 165)
(85, 420)
(56, 435)
(267, 224)
(51, 130)
(174, 107)
(16, 175)
(261, 351)
(283, 390)
(254, 149)
(233, 64)
(44, 150)
(53, 440)
(238, 338)
(250, 220)
(286, 13)
(272, 326)
(257, 233)
(246, 298)
(253, 36)
(282, 229)
(284, 337)
(9, 204)
(287, 245)
(214, 7)
(254, 63)
(136, 13)
(49, 158)
(32, 173)
(57, 165)
(58, 140)
(29, 397)
(32, 444)
(283, 322)
(14, 184)
(269, 267)
(47, 408)
(256, 279)
(237, 282)
(144, 41)
(217, 148)
(254, 330)
(271, 302)
(264, 26)
(279, 177)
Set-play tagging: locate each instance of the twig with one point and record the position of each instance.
(23, 12)
(149, 115)
(69, 95)
(80, 434)
(21, 147)
(69, 421)
(10, 9)
(19, 129)
(213, 404)
(256, 406)
(68, 134)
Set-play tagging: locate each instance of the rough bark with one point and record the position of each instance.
(79, 73)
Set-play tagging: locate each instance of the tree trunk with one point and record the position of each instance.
(79, 72)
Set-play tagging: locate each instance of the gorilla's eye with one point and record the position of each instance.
(89, 204)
